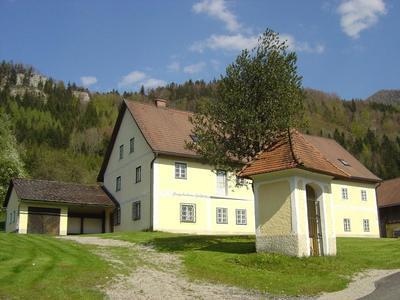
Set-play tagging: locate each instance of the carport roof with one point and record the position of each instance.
(60, 192)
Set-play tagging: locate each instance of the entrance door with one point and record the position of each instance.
(314, 222)
(44, 220)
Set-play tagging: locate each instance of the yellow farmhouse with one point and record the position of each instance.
(150, 181)
(160, 185)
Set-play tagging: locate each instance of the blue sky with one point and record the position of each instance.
(348, 47)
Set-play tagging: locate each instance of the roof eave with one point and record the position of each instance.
(68, 203)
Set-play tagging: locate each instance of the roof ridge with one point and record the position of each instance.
(164, 108)
(56, 181)
(297, 160)
(323, 156)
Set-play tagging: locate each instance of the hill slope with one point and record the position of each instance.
(63, 137)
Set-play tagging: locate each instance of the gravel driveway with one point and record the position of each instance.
(161, 276)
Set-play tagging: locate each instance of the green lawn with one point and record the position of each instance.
(42, 267)
(232, 260)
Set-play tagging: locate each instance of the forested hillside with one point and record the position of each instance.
(61, 135)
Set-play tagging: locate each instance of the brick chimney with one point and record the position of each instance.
(161, 102)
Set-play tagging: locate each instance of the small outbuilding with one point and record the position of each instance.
(301, 186)
(388, 194)
(58, 208)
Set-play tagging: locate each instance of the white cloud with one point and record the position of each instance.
(88, 80)
(150, 83)
(218, 10)
(194, 68)
(132, 78)
(358, 15)
(239, 42)
(234, 42)
(174, 66)
(136, 79)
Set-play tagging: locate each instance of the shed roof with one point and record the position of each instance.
(60, 192)
(388, 193)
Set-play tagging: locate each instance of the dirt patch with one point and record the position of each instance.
(160, 276)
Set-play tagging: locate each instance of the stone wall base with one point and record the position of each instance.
(291, 244)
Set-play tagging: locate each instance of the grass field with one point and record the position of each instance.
(35, 266)
(41, 267)
(232, 260)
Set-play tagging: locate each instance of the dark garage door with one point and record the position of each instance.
(44, 220)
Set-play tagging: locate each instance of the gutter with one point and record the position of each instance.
(151, 191)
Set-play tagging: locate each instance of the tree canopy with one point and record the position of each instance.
(259, 96)
(11, 164)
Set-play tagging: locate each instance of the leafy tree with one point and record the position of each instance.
(11, 164)
(259, 96)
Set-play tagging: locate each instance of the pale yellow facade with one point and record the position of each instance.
(19, 222)
(199, 188)
(281, 218)
(125, 168)
(158, 182)
(356, 209)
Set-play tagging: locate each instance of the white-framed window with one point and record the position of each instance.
(121, 151)
(180, 170)
(221, 182)
(136, 210)
(241, 217)
(188, 213)
(10, 219)
(132, 145)
(363, 195)
(222, 215)
(14, 216)
(138, 174)
(366, 225)
(118, 184)
(346, 225)
(345, 193)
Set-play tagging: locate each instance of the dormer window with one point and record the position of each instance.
(344, 162)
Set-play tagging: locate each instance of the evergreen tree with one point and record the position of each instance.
(259, 96)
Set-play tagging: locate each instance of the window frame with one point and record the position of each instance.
(245, 216)
(364, 196)
(347, 225)
(138, 174)
(118, 183)
(132, 145)
(121, 152)
(366, 226)
(177, 164)
(136, 210)
(181, 215)
(218, 191)
(224, 215)
(345, 193)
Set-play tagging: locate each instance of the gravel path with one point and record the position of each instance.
(161, 276)
(362, 285)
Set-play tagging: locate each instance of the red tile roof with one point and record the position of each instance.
(60, 192)
(295, 150)
(165, 129)
(388, 193)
